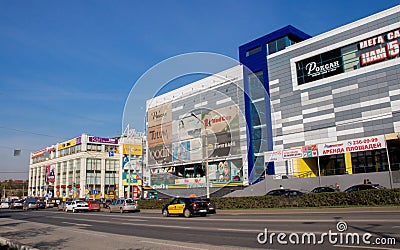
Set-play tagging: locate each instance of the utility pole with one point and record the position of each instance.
(206, 153)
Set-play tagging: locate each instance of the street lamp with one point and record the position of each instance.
(206, 152)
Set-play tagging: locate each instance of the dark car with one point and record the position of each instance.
(292, 193)
(277, 192)
(361, 187)
(41, 205)
(186, 207)
(323, 190)
(212, 208)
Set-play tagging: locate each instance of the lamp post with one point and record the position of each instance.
(206, 154)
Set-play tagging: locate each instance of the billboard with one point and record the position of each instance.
(133, 179)
(132, 149)
(160, 134)
(50, 176)
(221, 120)
(190, 150)
(159, 115)
(160, 154)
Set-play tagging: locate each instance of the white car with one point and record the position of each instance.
(4, 205)
(76, 206)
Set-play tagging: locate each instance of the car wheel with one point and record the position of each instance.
(203, 215)
(165, 213)
(187, 213)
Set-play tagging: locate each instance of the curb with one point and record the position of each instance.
(14, 244)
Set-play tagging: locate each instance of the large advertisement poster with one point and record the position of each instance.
(159, 115)
(160, 154)
(160, 134)
(221, 120)
(50, 176)
(190, 150)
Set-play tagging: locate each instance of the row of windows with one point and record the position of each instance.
(273, 46)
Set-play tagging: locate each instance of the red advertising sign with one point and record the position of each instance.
(355, 145)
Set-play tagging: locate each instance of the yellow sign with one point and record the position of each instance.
(132, 149)
(67, 144)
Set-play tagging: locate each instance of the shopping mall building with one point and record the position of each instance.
(88, 167)
(327, 105)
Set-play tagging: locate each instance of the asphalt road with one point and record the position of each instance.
(52, 229)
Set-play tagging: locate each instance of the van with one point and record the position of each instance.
(123, 205)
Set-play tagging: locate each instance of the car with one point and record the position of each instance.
(4, 205)
(212, 207)
(94, 205)
(186, 207)
(76, 206)
(292, 193)
(41, 205)
(30, 203)
(361, 187)
(123, 205)
(277, 192)
(323, 190)
(17, 204)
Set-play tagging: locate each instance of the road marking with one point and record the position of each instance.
(171, 245)
(77, 224)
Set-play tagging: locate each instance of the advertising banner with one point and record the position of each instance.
(50, 176)
(41, 152)
(161, 134)
(293, 153)
(160, 154)
(94, 139)
(132, 149)
(133, 179)
(355, 145)
(159, 115)
(67, 144)
(181, 151)
(221, 120)
(223, 144)
(379, 48)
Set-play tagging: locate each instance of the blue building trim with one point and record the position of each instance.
(254, 63)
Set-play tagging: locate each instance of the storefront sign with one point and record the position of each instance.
(320, 66)
(67, 144)
(41, 152)
(379, 48)
(95, 139)
(362, 144)
(132, 149)
(307, 151)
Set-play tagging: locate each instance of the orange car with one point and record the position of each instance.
(94, 205)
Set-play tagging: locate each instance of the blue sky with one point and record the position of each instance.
(67, 67)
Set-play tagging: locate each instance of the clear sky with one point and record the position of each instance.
(67, 67)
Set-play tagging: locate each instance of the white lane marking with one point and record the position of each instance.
(171, 245)
(77, 224)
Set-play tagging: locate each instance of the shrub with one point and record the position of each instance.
(337, 199)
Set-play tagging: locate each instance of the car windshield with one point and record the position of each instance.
(129, 201)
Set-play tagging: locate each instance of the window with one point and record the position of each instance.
(253, 51)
